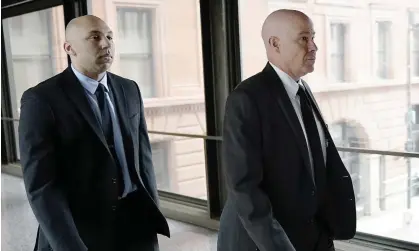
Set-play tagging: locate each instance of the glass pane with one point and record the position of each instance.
(179, 164)
(31, 63)
(415, 53)
(158, 45)
(376, 106)
(385, 207)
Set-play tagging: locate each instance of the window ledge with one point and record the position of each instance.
(188, 214)
(12, 169)
(359, 245)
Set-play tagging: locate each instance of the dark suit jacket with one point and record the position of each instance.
(272, 201)
(68, 171)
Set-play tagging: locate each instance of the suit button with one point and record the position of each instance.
(114, 180)
(313, 193)
(310, 221)
(113, 208)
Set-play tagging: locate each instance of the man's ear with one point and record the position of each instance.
(274, 42)
(69, 49)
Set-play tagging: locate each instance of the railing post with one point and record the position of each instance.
(382, 183)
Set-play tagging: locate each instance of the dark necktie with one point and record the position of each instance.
(105, 112)
(107, 129)
(313, 137)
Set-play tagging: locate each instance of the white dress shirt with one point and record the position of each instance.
(291, 86)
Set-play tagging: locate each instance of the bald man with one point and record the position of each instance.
(287, 186)
(86, 155)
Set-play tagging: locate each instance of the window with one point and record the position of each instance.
(158, 45)
(415, 53)
(384, 60)
(338, 36)
(136, 42)
(34, 62)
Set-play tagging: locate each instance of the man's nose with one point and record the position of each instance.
(105, 43)
(312, 46)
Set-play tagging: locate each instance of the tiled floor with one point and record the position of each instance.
(18, 225)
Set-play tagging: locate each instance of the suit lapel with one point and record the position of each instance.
(120, 104)
(75, 91)
(282, 99)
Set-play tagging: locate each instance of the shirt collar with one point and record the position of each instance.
(291, 86)
(88, 83)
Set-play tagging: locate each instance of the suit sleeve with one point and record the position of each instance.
(146, 165)
(39, 163)
(244, 172)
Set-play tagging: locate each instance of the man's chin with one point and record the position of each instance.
(105, 66)
(309, 69)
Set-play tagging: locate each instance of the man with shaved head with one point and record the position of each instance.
(86, 154)
(287, 186)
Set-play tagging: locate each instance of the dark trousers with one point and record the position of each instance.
(310, 237)
(133, 226)
(324, 243)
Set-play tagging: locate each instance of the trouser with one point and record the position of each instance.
(133, 230)
(312, 236)
(324, 243)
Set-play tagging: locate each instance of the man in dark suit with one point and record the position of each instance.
(86, 155)
(287, 186)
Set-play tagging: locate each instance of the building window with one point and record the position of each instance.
(384, 59)
(338, 36)
(135, 29)
(160, 157)
(415, 53)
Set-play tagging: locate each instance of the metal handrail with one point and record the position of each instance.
(205, 137)
(9, 119)
(341, 149)
(378, 152)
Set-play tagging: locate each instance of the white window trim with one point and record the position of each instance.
(328, 42)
